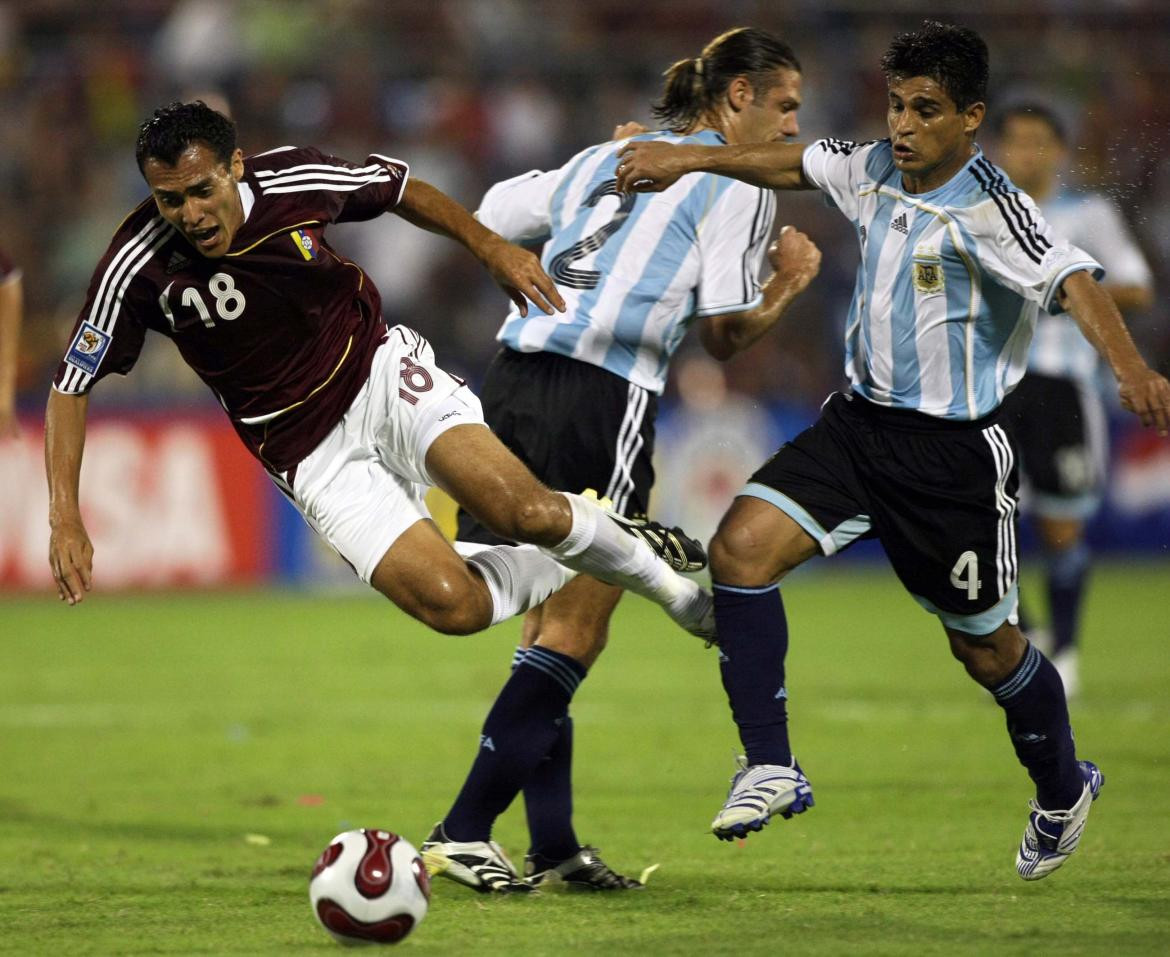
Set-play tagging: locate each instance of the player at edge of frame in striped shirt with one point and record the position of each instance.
(1056, 415)
(954, 264)
(352, 420)
(575, 396)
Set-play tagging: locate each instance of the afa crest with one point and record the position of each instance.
(928, 273)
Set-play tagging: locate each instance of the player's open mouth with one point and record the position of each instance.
(902, 151)
(205, 238)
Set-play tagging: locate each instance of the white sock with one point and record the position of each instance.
(601, 548)
(518, 577)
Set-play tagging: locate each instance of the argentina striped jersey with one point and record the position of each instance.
(634, 270)
(950, 281)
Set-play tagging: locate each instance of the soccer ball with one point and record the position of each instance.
(369, 886)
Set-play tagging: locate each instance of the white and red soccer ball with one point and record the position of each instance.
(369, 886)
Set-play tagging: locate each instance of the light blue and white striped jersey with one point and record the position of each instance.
(1093, 223)
(949, 283)
(634, 270)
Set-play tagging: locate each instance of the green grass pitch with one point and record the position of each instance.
(170, 767)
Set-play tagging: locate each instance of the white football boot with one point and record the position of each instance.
(1051, 836)
(757, 792)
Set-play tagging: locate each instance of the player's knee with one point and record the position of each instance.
(454, 605)
(533, 520)
(736, 558)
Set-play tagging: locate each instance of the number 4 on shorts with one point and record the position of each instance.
(965, 574)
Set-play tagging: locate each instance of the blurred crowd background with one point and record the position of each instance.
(472, 91)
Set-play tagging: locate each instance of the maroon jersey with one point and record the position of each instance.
(281, 328)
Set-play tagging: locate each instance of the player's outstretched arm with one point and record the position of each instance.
(70, 551)
(1143, 391)
(796, 261)
(517, 271)
(646, 166)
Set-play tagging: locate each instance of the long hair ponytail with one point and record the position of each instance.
(694, 85)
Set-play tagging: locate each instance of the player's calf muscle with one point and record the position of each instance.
(989, 658)
(424, 577)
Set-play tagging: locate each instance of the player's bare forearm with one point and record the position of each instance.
(517, 271)
(70, 550)
(796, 261)
(429, 208)
(1143, 391)
(650, 166)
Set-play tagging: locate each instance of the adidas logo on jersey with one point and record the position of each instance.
(900, 224)
(176, 262)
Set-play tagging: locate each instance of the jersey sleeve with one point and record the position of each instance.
(331, 189)
(837, 168)
(1016, 246)
(732, 240)
(1114, 245)
(520, 208)
(111, 328)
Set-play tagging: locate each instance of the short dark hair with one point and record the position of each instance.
(954, 57)
(694, 85)
(174, 127)
(1037, 111)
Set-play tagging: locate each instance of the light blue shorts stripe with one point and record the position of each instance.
(981, 623)
(830, 542)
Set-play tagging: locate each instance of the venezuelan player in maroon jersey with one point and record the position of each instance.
(10, 319)
(351, 419)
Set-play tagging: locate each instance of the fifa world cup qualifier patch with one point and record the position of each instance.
(928, 273)
(88, 347)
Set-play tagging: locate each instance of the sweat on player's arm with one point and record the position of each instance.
(650, 167)
(1142, 390)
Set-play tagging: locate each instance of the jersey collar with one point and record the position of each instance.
(247, 198)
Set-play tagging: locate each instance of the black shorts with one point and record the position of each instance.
(1059, 429)
(939, 495)
(576, 426)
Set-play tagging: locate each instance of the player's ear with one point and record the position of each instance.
(237, 165)
(739, 93)
(973, 116)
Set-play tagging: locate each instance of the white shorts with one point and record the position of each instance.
(363, 486)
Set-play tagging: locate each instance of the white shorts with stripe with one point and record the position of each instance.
(363, 486)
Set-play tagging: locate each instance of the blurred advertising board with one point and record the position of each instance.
(170, 499)
(173, 499)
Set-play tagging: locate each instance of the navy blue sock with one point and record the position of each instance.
(519, 731)
(753, 640)
(1067, 570)
(548, 800)
(1032, 697)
